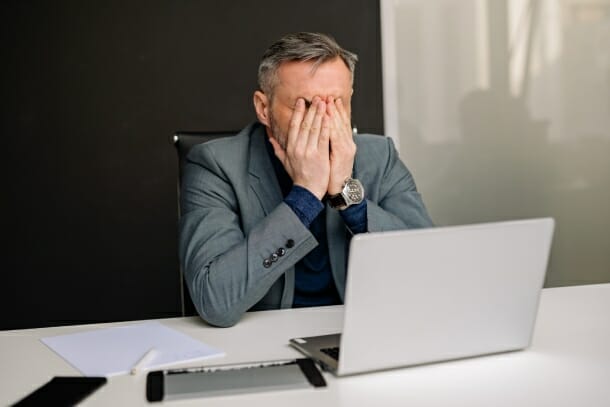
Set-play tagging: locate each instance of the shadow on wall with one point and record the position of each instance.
(505, 168)
(501, 152)
(481, 154)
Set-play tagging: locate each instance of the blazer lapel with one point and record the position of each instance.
(337, 247)
(264, 187)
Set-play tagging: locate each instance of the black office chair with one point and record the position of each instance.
(183, 142)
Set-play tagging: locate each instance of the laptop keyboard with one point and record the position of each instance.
(332, 352)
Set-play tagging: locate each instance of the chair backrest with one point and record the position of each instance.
(183, 142)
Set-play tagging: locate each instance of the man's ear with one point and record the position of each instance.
(262, 106)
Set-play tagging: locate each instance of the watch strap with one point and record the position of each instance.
(337, 201)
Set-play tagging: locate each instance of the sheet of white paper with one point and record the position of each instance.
(112, 351)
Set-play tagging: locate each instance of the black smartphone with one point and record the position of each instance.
(62, 391)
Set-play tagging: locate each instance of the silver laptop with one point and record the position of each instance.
(430, 295)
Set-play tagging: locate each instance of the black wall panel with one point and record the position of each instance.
(91, 94)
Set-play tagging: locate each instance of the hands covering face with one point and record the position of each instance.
(318, 151)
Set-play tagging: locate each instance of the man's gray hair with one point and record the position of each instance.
(302, 46)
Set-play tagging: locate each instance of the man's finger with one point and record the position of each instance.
(324, 139)
(307, 123)
(316, 126)
(342, 111)
(295, 122)
(339, 124)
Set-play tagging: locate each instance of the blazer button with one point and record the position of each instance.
(266, 263)
(290, 243)
(281, 251)
(274, 257)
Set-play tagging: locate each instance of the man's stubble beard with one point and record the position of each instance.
(276, 132)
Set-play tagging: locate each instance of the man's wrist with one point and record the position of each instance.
(338, 187)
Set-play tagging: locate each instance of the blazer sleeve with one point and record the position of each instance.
(394, 201)
(228, 271)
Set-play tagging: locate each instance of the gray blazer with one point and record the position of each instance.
(233, 218)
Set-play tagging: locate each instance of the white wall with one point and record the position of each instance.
(501, 109)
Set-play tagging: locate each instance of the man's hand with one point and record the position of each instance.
(342, 146)
(306, 153)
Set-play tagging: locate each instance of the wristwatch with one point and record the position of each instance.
(352, 194)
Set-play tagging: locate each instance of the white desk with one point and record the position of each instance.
(567, 365)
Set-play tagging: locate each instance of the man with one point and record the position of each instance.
(267, 215)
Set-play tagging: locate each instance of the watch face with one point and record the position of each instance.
(354, 191)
